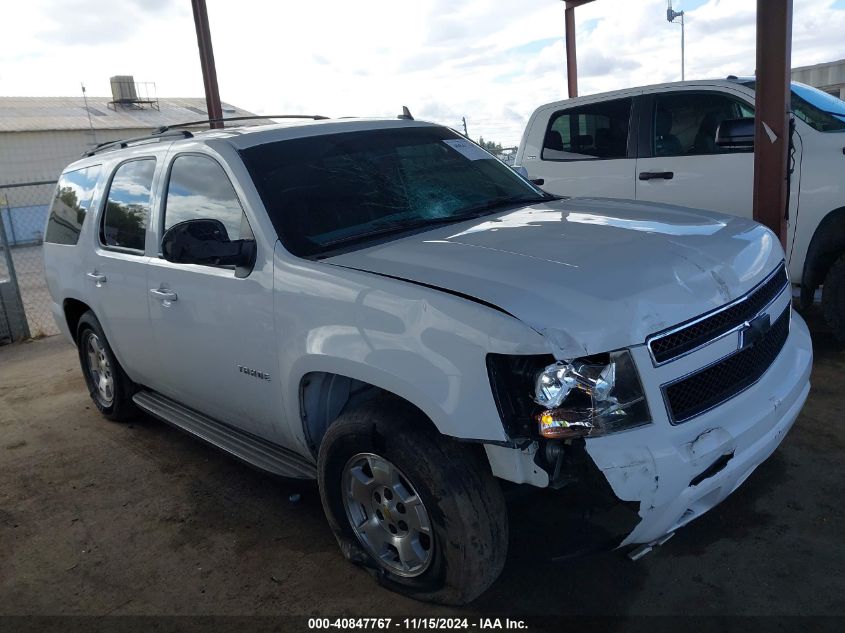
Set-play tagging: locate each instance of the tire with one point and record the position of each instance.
(115, 403)
(833, 298)
(467, 518)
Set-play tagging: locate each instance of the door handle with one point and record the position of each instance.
(166, 297)
(538, 181)
(98, 278)
(654, 175)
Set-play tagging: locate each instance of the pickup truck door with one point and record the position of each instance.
(213, 325)
(584, 150)
(679, 161)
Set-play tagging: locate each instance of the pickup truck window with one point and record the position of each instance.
(819, 110)
(128, 205)
(340, 191)
(594, 130)
(73, 198)
(198, 188)
(685, 123)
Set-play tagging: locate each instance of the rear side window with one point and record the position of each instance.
(199, 189)
(73, 199)
(128, 205)
(595, 130)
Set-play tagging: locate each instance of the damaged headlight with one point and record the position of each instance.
(588, 397)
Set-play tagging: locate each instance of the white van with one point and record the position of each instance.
(659, 144)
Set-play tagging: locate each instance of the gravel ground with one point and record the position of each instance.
(139, 519)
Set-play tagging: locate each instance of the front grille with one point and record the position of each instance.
(713, 385)
(665, 346)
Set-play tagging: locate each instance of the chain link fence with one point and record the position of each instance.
(24, 299)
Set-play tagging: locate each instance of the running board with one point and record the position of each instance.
(245, 446)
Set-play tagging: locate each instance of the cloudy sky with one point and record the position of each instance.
(488, 60)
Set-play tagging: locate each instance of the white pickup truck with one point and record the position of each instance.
(690, 143)
(384, 307)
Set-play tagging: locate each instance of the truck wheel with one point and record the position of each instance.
(833, 298)
(109, 386)
(422, 511)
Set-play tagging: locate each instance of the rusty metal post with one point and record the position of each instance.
(771, 118)
(209, 71)
(571, 61)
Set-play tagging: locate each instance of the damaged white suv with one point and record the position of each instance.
(384, 307)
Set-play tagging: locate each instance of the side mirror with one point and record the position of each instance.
(522, 171)
(206, 242)
(736, 133)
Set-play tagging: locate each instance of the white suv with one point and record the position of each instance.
(386, 308)
(691, 144)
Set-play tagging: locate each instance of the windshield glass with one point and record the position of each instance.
(816, 108)
(338, 191)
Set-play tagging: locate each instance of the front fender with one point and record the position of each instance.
(422, 344)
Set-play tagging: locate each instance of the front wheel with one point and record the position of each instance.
(833, 298)
(419, 509)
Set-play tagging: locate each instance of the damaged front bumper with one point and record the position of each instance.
(669, 474)
(678, 472)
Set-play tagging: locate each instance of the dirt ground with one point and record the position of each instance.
(103, 518)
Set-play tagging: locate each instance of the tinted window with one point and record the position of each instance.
(342, 190)
(816, 108)
(199, 188)
(686, 122)
(128, 205)
(596, 130)
(73, 199)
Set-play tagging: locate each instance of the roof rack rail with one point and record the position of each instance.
(154, 137)
(316, 117)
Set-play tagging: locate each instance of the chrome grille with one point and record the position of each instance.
(711, 386)
(682, 339)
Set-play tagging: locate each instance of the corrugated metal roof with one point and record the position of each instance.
(37, 114)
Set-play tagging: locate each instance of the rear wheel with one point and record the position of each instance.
(420, 510)
(833, 298)
(109, 386)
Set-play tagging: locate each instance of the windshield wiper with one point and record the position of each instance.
(400, 226)
(498, 203)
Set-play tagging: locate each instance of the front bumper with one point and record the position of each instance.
(678, 472)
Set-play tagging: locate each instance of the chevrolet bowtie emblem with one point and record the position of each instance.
(754, 331)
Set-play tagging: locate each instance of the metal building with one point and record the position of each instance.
(829, 76)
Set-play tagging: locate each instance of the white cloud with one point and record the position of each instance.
(490, 61)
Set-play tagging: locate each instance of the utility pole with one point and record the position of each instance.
(670, 17)
(464, 119)
(90, 122)
(209, 71)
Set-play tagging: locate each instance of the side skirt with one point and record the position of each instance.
(245, 446)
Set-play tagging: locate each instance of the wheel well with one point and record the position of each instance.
(827, 244)
(324, 396)
(74, 309)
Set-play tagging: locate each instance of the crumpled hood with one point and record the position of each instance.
(590, 274)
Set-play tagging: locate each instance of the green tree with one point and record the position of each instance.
(490, 146)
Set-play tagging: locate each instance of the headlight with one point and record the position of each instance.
(587, 398)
